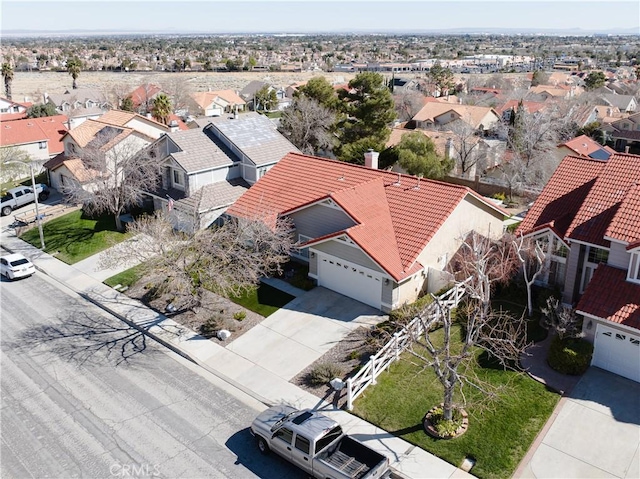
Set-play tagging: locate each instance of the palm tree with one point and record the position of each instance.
(74, 67)
(161, 108)
(7, 74)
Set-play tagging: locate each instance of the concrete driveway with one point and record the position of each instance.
(303, 330)
(596, 433)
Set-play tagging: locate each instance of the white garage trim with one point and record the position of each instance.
(350, 279)
(618, 351)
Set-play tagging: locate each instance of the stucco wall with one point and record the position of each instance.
(348, 253)
(619, 256)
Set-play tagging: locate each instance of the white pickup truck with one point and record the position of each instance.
(22, 195)
(316, 444)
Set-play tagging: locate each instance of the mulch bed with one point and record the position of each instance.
(212, 305)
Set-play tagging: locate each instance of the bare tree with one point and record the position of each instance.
(479, 265)
(562, 319)
(117, 173)
(226, 259)
(408, 103)
(14, 163)
(531, 256)
(307, 124)
(179, 92)
(464, 141)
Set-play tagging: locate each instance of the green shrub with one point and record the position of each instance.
(445, 427)
(211, 326)
(353, 355)
(322, 373)
(499, 196)
(570, 355)
(239, 315)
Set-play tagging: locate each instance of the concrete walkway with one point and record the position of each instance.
(300, 332)
(244, 373)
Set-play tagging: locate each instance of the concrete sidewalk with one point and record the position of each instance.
(245, 374)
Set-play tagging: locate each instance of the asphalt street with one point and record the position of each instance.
(84, 395)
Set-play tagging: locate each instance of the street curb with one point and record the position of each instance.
(155, 337)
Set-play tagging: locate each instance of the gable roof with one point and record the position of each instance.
(30, 130)
(620, 173)
(143, 94)
(589, 200)
(620, 101)
(79, 94)
(468, 113)
(395, 217)
(252, 87)
(586, 146)
(611, 297)
(204, 99)
(90, 130)
(562, 196)
(255, 136)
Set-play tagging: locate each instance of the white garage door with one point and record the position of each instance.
(350, 279)
(617, 351)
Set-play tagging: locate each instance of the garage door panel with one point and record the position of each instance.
(617, 351)
(350, 280)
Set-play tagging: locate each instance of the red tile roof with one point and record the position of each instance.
(144, 93)
(31, 130)
(611, 297)
(621, 172)
(625, 225)
(396, 217)
(563, 195)
(529, 106)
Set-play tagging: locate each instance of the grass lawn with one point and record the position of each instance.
(499, 434)
(264, 299)
(75, 236)
(126, 278)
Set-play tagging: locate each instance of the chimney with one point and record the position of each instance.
(235, 112)
(626, 149)
(371, 159)
(173, 126)
(149, 115)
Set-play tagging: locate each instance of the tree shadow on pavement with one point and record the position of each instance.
(85, 340)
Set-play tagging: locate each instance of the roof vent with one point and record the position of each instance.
(341, 177)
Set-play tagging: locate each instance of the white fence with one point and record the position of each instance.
(391, 351)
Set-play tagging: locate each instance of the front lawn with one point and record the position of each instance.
(499, 433)
(263, 299)
(127, 278)
(76, 237)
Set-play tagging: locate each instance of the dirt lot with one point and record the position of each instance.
(32, 85)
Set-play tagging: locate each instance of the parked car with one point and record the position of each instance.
(22, 195)
(316, 444)
(15, 265)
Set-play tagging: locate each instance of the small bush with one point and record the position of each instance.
(499, 196)
(570, 355)
(239, 315)
(211, 326)
(323, 373)
(445, 427)
(353, 355)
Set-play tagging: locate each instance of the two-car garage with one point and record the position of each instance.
(350, 279)
(617, 351)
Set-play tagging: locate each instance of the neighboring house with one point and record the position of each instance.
(625, 133)
(217, 103)
(40, 138)
(436, 114)
(75, 99)
(584, 146)
(128, 133)
(588, 220)
(625, 103)
(547, 92)
(248, 94)
(143, 96)
(484, 153)
(511, 106)
(205, 170)
(379, 237)
(11, 110)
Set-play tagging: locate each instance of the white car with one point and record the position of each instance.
(15, 265)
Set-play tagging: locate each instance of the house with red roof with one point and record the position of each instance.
(584, 146)
(588, 219)
(142, 97)
(40, 138)
(379, 237)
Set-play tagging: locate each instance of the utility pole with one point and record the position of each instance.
(35, 197)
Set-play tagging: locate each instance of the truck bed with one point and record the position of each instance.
(352, 458)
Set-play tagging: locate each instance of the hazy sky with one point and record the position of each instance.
(218, 16)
